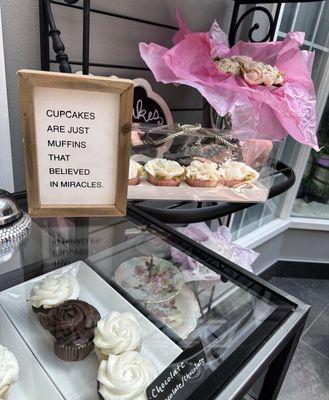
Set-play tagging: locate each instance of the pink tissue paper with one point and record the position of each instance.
(263, 112)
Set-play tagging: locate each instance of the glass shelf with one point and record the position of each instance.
(206, 330)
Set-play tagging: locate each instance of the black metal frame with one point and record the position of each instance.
(237, 21)
(252, 8)
(174, 212)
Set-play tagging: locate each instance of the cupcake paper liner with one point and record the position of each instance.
(100, 355)
(233, 182)
(162, 182)
(43, 319)
(4, 392)
(42, 315)
(201, 182)
(73, 353)
(40, 310)
(134, 181)
(99, 395)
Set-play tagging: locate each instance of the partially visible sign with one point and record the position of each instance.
(76, 132)
(182, 377)
(149, 107)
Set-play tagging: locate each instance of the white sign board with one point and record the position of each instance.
(76, 131)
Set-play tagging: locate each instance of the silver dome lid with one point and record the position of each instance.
(9, 210)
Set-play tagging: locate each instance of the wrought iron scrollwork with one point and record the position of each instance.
(54, 33)
(237, 21)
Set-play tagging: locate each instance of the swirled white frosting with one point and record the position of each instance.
(234, 170)
(54, 290)
(202, 170)
(134, 169)
(125, 377)
(118, 333)
(160, 167)
(8, 367)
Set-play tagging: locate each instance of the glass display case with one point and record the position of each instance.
(131, 326)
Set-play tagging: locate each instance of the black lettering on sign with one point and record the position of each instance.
(182, 377)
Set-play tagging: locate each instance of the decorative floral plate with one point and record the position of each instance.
(180, 314)
(149, 279)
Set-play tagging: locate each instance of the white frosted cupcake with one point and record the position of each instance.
(116, 334)
(125, 377)
(9, 370)
(202, 174)
(162, 172)
(135, 171)
(234, 173)
(52, 291)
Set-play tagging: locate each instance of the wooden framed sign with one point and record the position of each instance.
(77, 143)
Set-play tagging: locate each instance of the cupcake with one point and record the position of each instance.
(234, 173)
(116, 334)
(135, 170)
(162, 172)
(8, 371)
(52, 291)
(72, 325)
(125, 376)
(202, 174)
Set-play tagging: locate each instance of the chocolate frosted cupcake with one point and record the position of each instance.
(72, 324)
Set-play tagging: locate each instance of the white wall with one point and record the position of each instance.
(113, 40)
(6, 170)
(297, 245)
(305, 245)
(269, 253)
(21, 49)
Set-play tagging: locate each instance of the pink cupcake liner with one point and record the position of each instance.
(162, 182)
(233, 182)
(201, 182)
(134, 181)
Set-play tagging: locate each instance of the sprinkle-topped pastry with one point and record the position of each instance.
(202, 174)
(52, 291)
(72, 324)
(116, 334)
(162, 172)
(9, 370)
(135, 171)
(233, 173)
(125, 377)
